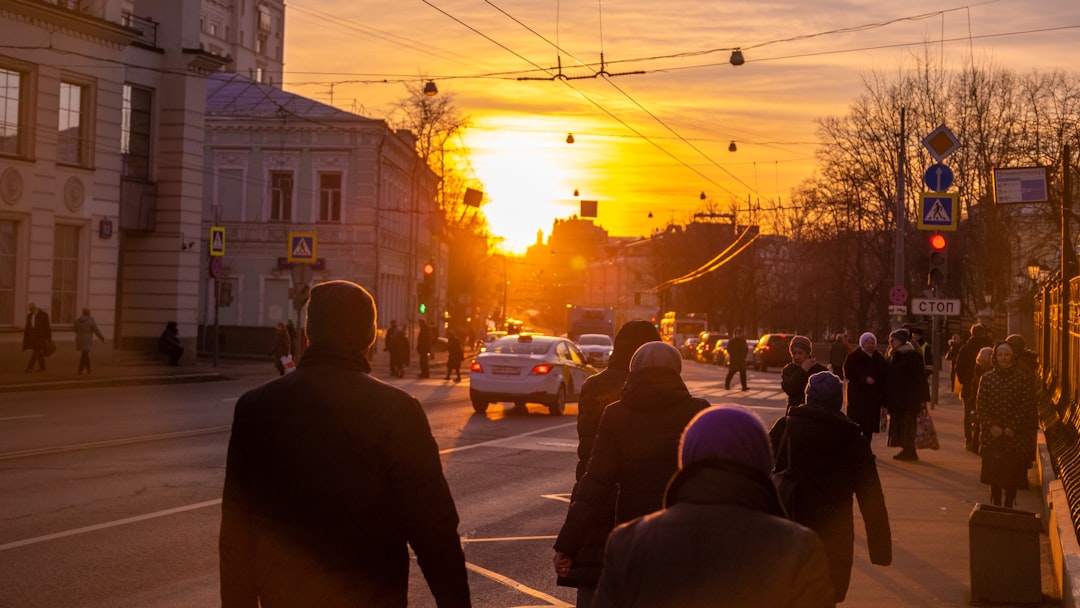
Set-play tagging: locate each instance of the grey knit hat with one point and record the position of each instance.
(656, 354)
(341, 312)
(802, 343)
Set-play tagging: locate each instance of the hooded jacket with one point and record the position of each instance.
(633, 458)
(720, 542)
(835, 463)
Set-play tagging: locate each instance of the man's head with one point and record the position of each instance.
(728, 433)
(825, 390)
(341, 313)
(630, 338)
(656, 355)
(978, 330)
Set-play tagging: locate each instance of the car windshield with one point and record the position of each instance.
(589, 340)
(514, 346)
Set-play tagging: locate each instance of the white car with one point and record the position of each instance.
(490, 337)
(528, 368)
(597, 348)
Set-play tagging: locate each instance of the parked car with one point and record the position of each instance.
(596, 347)
(688, 348)
(772, 351)
(750, 345)
(490, 337)
(707, 340)
(528, 368)
(720, 352)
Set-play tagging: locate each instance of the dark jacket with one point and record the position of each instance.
(86, 329)
(633, 458)
(965, 364)
(793, 379)
(737, 351)
(834, 462)
(838, 354)
(37, 330)
(720, 542)
(905, 380)
(864, 399)
(423, 340)
(454, 353)
(331, 476)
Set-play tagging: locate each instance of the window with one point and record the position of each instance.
(259, 74)
(260, 44)
(8, 241)
(73, 136)
(329, 197)
(135, 133)
(264, 19)
(65, 274)
(281, 192)
(13, 112)
(213, 29)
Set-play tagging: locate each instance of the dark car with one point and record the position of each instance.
(772, 350)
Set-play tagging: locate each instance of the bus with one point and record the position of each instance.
(675, 327)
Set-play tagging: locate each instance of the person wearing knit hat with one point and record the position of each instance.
(597, 393)
(794, 375)
(331, 437)
(905, 375)
(825, 446)
(721, 533)
(865, 372)
(966, 375)
(633, 457)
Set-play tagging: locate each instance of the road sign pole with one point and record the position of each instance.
(898, 268)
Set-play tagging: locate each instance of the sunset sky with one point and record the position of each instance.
(652, 142)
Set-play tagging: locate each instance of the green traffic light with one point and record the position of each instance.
(423, 308)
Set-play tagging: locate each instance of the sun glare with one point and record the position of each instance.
(526, 190)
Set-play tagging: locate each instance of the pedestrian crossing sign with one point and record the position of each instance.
(938, 211)
(217, 241)
(302, 247)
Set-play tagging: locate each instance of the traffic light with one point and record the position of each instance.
(939, 272)
(426, 289)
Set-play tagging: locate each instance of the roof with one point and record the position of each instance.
(234, 95)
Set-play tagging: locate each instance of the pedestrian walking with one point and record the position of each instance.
(794, 375)
(838, 353)
(635, 452)
(834, 463)
(169, 343)
(978, 339)
(423, 348)
(455, 354)
(37, 335)
(864, 369)
(721, 540)
(332, 476)
(737, 351)
(597, 393)
(281, 351)
(955, 343)
(397, 345)
(86, 329)
(906, 392)
(1008, 421)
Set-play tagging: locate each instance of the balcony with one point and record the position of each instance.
(147, 29)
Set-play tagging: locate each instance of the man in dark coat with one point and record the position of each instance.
(794, 375)
(838, 353)
(423, 347)
(978, 339)
(597, 393)
(635, 452)
(331, 476)
(737, 351)
(834, 462)
(169, 343)
(906, 392)
(722, 540)
(865, 372)
(36, 335)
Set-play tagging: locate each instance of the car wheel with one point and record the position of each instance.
(558, 405)
(479, 406)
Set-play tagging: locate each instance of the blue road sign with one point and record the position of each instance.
(938, 211)
(938, 178)
(302, 247)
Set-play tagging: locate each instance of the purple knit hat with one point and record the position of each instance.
(727, 432)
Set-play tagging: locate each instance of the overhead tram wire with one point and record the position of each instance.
(712, 265)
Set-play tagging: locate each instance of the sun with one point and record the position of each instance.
(526, 190)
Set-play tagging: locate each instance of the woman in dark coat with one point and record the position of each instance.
(597, 393)
(864, 369)
(1008, 420)
(834, 463)
(906, 392)
(454, 355)
(795, 374)
(722, 539)
(635, 452)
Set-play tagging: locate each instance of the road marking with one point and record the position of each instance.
(113, 442)
(22, 417)
(109, 524)
(559, 497)
(505, 440)
(506, 539)
(509, 582)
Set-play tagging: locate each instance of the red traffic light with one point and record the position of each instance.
(937, 242)
(429, 269)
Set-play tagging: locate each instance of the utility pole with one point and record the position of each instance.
(898, 270)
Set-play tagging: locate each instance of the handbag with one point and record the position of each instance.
(288, 363)
(785, 479)
(50, 347)
(925, 434)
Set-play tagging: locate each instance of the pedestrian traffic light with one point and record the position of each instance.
(938, 273)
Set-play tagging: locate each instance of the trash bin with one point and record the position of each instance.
(1005, 557)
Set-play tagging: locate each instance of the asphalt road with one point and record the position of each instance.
(111, 496)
